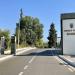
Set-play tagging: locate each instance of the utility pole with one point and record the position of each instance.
(18, 35)
(21, 15)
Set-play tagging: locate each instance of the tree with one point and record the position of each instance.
(38, 29)
(25, 29)
(52, 36)
(31, 31)
(45, 45)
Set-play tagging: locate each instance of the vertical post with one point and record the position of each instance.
(13, 45)
(18, 34)
(2, 44)
(21, 15)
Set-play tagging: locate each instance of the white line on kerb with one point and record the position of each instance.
(25, 67)
(70, 69)
(59, 59)
(21, 73)
(32, 59)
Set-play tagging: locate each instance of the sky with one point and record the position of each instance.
(47, 11)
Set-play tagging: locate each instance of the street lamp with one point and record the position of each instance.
(21, 15)
(18, 34)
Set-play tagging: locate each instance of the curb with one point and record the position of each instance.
(10, 56)
(67, 60)
(20, 49)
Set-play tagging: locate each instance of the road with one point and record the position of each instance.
(36, 62)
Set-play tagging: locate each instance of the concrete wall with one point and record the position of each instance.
(68, 36)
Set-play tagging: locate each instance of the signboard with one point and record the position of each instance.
(68, 33)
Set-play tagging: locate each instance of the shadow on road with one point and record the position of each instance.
(43, 53)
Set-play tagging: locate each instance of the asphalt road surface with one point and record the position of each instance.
(36, 62)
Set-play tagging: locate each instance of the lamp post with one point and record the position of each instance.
(18, 34)
(21, 15)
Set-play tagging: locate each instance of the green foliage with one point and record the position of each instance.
(52, 36)
(39, 43)
(45, 45)
(6, 34)
(58, 45)
(31, 31)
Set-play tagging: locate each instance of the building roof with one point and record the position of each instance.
(68, 16)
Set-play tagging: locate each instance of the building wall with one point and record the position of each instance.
(68, 36)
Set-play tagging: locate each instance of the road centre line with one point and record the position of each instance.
(21, 73)
(32, 59)
(25, 67)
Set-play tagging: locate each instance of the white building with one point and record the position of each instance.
(68, 33)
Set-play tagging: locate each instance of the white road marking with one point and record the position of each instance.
(32, 59)
(65, 65)
(25, 67)
(6, 57)
(70, 69)
(69, 60)
(61, 61)
(21, 73)
(58, 59)
(19, 51)
(22, 51)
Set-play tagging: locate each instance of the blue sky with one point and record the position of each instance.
(47, 11)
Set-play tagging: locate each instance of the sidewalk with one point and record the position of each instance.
(18, 51)
(69, 59)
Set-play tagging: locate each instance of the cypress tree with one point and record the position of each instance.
(52, 38)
